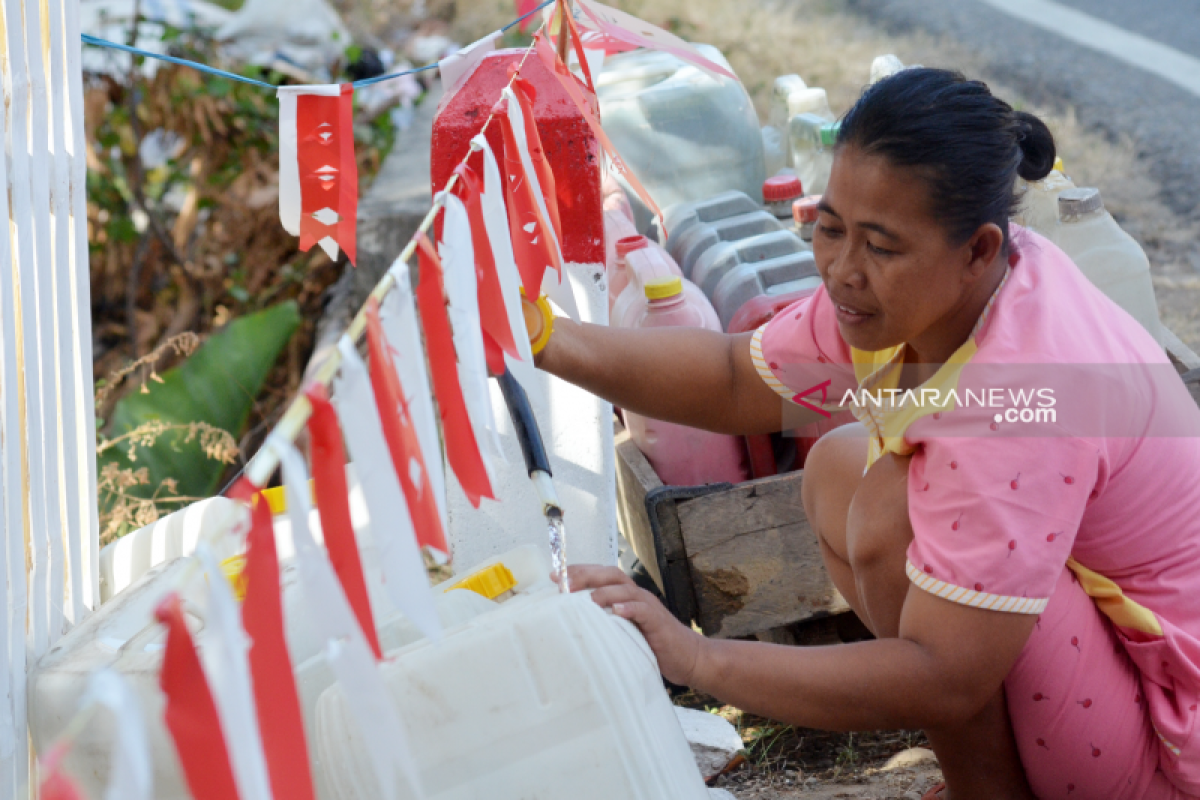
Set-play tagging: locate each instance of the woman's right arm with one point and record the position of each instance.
(686, 375)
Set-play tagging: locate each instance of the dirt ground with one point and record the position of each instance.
(830, 47)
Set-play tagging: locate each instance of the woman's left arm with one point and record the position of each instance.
(949, 660)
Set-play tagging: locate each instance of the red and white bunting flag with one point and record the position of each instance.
(276, 699)
(391, 522)
(495, 219)
(191, 713)
(624, 27)
(318, 175)
(223, 652)
(401, 436)
(346, 651)
(531, 225)
(328, 453)
(498, 337)
(462, 447)
(462, 306)
(56, 784)
(400, 328)
(131, 770)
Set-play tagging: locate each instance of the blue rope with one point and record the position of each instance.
(95, 41)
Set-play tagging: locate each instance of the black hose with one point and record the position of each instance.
(525, 424)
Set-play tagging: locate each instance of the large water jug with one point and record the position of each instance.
(642, 262)
(546, 696)
(722, 258)
(677, 219)
(685, 133)
(775, 276)
(683, 456)
(1108, 256)
(689, 246)
(123, 635)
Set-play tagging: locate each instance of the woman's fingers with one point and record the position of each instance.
(594, 576)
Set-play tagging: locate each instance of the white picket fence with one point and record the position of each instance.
(49, 546)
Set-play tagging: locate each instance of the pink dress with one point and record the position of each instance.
(1055, 471)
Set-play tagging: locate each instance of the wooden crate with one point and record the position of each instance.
(739, 560)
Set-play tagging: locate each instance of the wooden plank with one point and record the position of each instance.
(755, 563)
(635, 478)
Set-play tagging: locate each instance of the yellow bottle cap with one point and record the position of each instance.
(1058, 165)
(277, 498)
(491, 582)
(662, 288)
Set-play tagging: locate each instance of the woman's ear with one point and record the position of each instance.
(983, 248)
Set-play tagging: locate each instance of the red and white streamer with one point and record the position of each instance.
(346, 649)
(391, 526)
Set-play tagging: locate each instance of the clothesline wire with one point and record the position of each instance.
(96, 41)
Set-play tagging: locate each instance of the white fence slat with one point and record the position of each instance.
(67, 450)
(16, 772)
(81, 315)
(39, 305)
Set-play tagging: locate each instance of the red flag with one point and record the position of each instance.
(191, 714)
(531, 233)
(318, 174)
(493, 316)
(56, 784)
(401, 435)
(571, 84)
(275, 698)
(333, 504)
(461, 448)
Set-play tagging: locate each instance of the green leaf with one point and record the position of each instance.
(218, 385)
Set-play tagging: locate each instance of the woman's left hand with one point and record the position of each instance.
(677, 647)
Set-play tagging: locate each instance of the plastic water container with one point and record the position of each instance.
(644, 262)
(790, 96)
(1039, 201)
(682, 216)
(723, 257)
(885, 66)
(687, 247)
(617, 229)
(812, 138)
(546, 696)
(685, 133)
(775, 276)
(1107, 255)
(682, 456)
(123, 635)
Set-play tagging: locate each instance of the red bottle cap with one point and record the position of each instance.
(805, 209)
(630, 243)
(781, 188)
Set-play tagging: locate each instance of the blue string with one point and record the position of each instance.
(96, 41)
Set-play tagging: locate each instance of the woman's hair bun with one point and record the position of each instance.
(1037, 146)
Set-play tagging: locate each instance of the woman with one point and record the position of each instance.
(958, 537)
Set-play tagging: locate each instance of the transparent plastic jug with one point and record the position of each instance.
(683, 456)
(617, 229)
(1107, 255)
(686, 133)
(681, 216)
(722, 258)
(812, 138)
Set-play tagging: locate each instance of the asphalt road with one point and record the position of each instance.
(1160, 115)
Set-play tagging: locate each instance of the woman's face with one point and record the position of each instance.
(886, 262)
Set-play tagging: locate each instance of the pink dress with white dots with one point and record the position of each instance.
(1088, 517)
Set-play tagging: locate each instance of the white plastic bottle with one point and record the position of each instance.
(812, 138)
(885, 66)
(1039, 200)
(1107, 255)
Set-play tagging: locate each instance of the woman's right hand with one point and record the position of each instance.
(677, 647)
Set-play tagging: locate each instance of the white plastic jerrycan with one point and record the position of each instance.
(1108, 256)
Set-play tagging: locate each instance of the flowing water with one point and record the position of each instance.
(558, 556)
